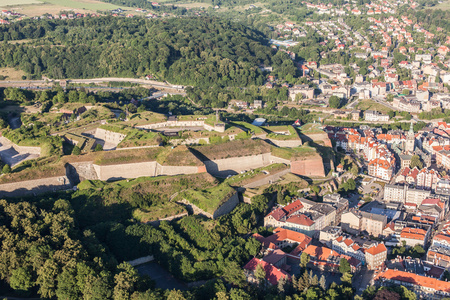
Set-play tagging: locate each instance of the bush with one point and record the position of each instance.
(6, 169)
(76, 150)
(98, 147)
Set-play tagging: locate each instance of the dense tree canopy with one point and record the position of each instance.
(191, 51)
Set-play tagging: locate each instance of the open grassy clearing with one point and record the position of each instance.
(34, 8)
(11, 73)
(372, 105)
(83, 4)
(17, 2)
(193, 5)
(444, 5)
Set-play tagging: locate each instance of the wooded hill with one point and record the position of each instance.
(188, 51)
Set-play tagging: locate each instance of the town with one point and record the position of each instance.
(225, 149)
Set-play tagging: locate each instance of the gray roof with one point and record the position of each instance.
(375, 217)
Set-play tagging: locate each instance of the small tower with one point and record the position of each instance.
(410, 140)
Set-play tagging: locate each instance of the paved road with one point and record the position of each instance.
(157, 84)
(361, 280)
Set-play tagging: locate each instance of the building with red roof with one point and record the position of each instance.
(273, 274)
(424, 287)
(414, 236)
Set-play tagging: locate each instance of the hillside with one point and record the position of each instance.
(190, 51)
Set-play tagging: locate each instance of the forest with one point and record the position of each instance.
(189, 51)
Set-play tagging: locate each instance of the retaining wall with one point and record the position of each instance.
(309, 167)
(233, 165)
(286, 143)
(109, 136)
(20, 149)
(227, 206)
(122, 171)
(37, 186)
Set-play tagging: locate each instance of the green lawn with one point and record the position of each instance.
(18, 2)
(210, 199)
(80, 4)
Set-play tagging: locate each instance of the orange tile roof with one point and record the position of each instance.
(415, 279)
(273, 274)
(380, 248)
(320, 253)
(413, 233)
(300, 220)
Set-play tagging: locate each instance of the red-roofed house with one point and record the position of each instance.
(414, 236)
(273, 274)
(425, 287)
(376, 256)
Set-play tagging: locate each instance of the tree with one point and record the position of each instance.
(234, 274)
(122, 116)
(98, 148)
(344, 266)
(304, 259)
(260, 274)
(416, 162)
(334, 102)
(125, 281)
(354, 170)
(323, 283)
(76, 150)
(21, 280)
(383, 294)
(315, 280)
(6, 169)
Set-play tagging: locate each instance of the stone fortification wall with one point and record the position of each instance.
(278, 160)
(196, 123)
(137, 147)
(109, 136)
(37, 186)
(320, 137)
(312, 166)
(227, 206)
(286, 143)
(233, 165)
(81, 171)
(21, 149)
(157, 222)
(177, 170)
(172, 124)
(122, 171)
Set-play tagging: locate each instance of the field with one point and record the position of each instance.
(17, 2)
(11, 73)
(444, 5)
(37, 8)
(372, 105)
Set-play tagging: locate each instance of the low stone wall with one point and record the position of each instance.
(141, 260)
(32, 187)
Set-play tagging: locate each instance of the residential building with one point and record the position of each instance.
(414, 236)
(375, 256)
(424, 287)
(273, 274)
(375, 116)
